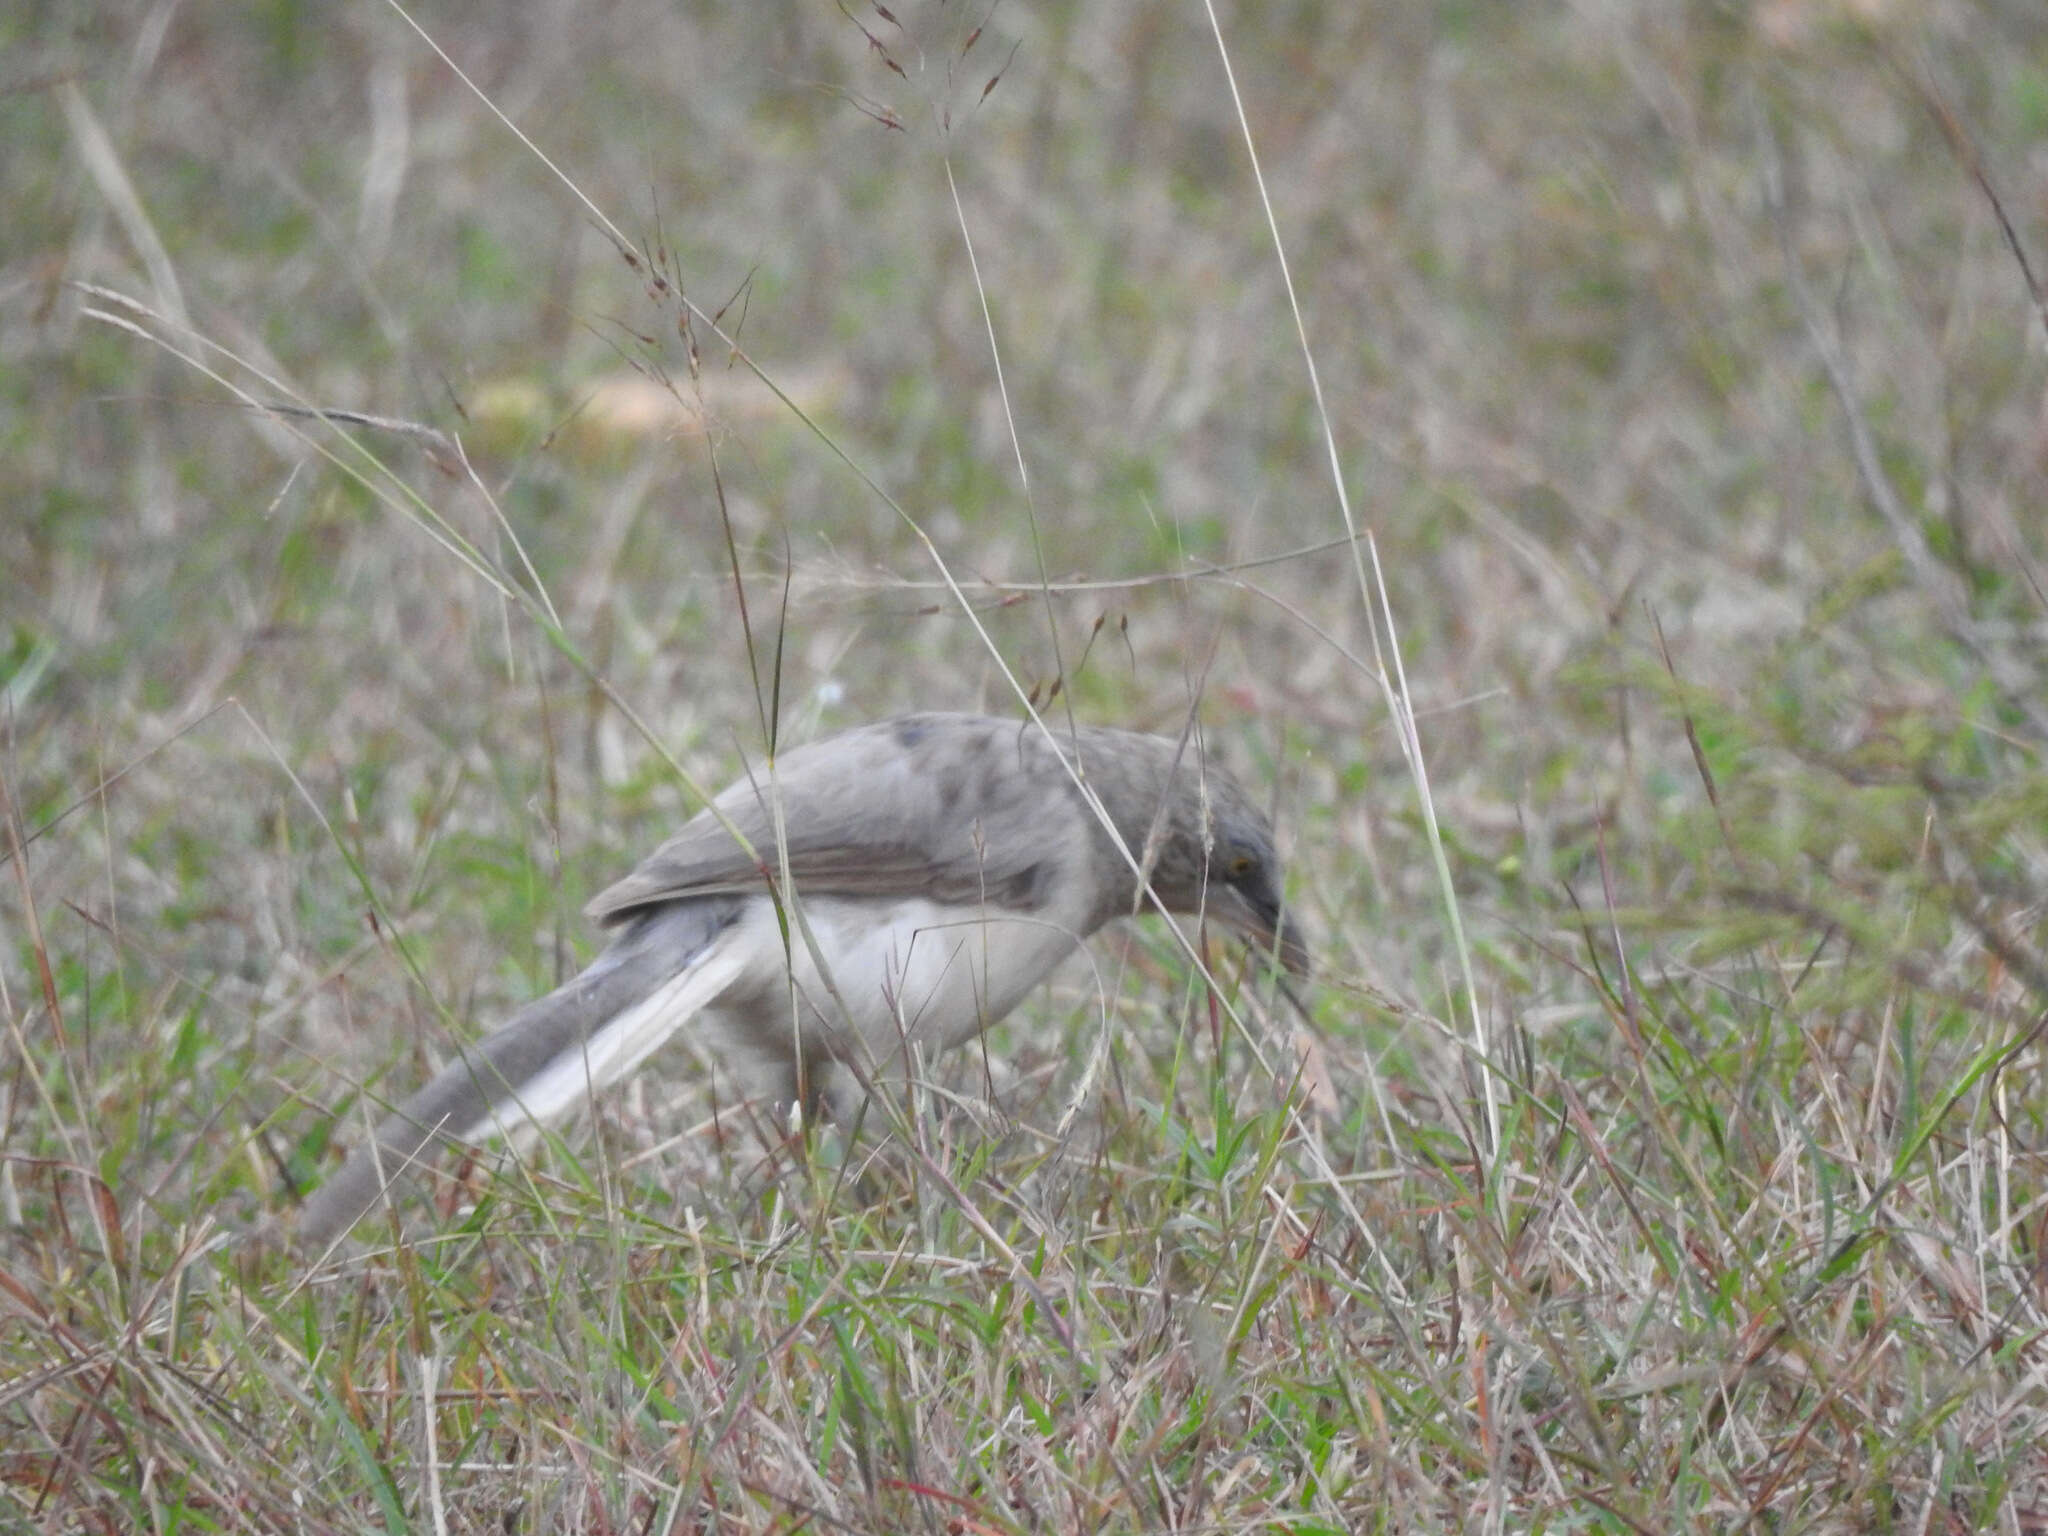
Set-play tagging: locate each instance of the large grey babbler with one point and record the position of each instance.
(941, 866)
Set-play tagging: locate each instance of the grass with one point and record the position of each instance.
(1681, 370)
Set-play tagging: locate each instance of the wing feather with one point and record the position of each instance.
(958, 808)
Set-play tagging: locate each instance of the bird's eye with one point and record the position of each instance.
(1240, 866)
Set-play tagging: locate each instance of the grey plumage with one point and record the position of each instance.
(942, 865)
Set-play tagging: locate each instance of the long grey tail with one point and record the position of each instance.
(517, 1073)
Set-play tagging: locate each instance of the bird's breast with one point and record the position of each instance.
(875, 973)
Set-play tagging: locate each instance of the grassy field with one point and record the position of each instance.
(1636, 617)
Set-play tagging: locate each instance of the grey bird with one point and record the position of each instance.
(940, 866)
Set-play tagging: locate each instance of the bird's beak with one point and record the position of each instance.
(1266, 928)
(1287, 943)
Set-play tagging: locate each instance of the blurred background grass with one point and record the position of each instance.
(1738, 767)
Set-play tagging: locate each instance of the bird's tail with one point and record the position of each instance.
(546, 1059)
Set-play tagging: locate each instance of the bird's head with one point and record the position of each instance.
(1242, 879)
(1208, 849)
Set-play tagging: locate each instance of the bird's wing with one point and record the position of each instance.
(957, 808)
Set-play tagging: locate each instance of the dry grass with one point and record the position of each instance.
(1680, 369)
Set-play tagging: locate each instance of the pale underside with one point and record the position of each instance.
(861, 983)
